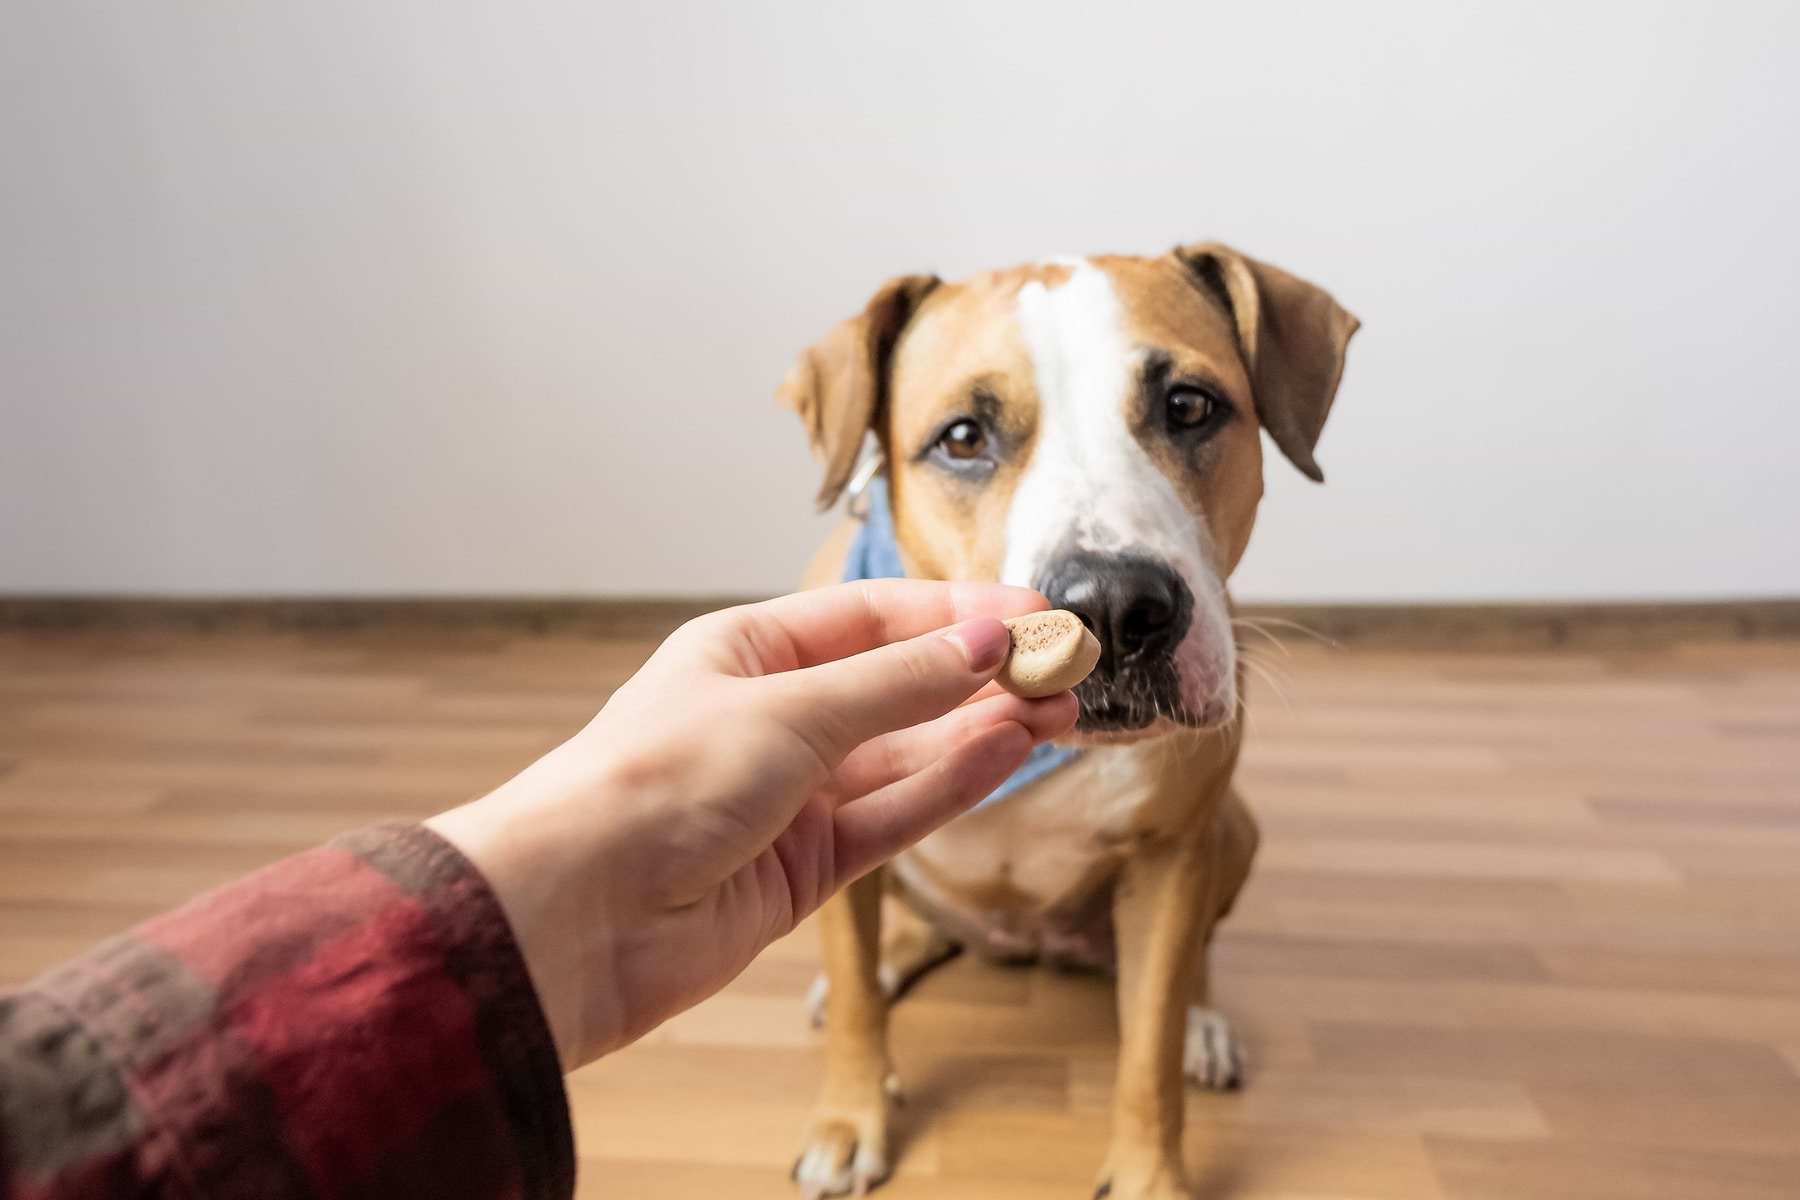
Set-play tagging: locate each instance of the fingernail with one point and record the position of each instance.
(984, 643)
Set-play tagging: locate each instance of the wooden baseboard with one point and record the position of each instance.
(573, 616)
(1621, 624)
(1401, 625)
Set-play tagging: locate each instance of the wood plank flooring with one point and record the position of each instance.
(1526, 925)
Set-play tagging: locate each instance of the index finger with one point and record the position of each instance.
(808, 628)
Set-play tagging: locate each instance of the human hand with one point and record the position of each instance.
(764, 757)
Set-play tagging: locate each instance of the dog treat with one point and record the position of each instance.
(1051, 652)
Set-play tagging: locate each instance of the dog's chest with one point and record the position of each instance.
(1031, 874)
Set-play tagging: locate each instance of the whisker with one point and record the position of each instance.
(1256, 628)
(1298, 627)
(1276, 673)
(1274, 687)
(1268, 677)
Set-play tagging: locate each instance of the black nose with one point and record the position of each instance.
(1137, 607)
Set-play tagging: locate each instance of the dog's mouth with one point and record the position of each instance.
(1112, 716)
(1118, 727)
(1107, 714)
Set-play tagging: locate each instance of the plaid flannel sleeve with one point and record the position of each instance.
(354, 1021)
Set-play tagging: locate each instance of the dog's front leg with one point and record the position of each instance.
(846, 1141)
(1160, 910)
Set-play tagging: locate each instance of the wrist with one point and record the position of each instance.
(542, 841)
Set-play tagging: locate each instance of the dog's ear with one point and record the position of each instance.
(1292, 335)
(839, 386)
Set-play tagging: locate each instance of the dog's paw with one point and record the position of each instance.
(843, 1153)
(1210, 1057)
(819, 994)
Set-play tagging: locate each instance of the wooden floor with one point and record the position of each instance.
(1524, 925)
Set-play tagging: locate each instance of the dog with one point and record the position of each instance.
(1088, 427)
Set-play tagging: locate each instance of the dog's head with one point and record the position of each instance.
(1088, 427)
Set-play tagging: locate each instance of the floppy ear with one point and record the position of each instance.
(1292, 335)
(839, 386)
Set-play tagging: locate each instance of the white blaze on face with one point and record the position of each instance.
(1090, 485)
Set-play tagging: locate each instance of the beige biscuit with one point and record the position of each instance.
(1051, 652)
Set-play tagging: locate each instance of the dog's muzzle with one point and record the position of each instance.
(1140, 610)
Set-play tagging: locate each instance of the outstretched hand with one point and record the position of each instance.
(764, 757)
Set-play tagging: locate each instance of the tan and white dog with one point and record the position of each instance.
(1089, 428)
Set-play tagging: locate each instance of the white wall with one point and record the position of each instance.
(354, 297)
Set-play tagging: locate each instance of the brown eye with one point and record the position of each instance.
(1190, 408)
(964, 440)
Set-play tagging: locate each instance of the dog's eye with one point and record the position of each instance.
(964, 440)
(1191, 407)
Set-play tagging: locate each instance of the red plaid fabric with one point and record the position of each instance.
(352, 1022)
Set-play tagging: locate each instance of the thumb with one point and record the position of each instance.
(837, 706)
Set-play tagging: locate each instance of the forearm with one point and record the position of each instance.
(356, 1020)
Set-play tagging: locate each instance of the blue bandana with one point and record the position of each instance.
(876, 555)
